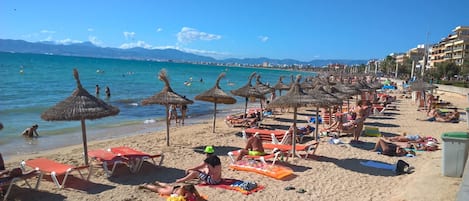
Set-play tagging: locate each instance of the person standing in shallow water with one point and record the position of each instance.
(108, 91)
(97, 90)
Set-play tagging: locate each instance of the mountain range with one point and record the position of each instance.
(87, 49)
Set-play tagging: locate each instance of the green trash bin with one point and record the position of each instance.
(455, 148)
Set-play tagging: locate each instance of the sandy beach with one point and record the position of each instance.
(334, 173)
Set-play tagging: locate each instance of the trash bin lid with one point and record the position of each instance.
(460, 135)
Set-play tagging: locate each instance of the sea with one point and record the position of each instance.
(32, 83)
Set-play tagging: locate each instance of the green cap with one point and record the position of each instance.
(209, 150)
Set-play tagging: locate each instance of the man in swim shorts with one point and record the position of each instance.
(253, 147)
(209, 171)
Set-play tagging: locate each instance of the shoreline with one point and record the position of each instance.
(46, 143)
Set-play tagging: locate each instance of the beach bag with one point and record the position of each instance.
(401, 167)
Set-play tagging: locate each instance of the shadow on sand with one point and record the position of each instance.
(354, 164)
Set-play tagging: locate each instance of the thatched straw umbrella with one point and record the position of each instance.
(422, 86)
(166, 97)
(261, 87)
(324, 99)
(248, 91)
(80, 106)
(216, 95)
(280, 85)
(294, 98)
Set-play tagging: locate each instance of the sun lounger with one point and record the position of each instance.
(310, 149)
(53, 168)
(265, 134)
(136, 158)
(4, 182)
(378, 110)
(107, 158)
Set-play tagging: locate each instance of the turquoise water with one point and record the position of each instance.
(32, 83)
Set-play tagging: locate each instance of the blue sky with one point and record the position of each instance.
(279, 29)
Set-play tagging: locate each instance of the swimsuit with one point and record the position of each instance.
(256, 153)
(413, 137)
(207, 178)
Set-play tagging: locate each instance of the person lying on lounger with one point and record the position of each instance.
(188, 191)
(388, 148)
(253, 147)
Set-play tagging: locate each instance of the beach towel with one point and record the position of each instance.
(379, 165)
(244, 187)
(400, 167)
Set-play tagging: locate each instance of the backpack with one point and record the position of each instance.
(402, 167)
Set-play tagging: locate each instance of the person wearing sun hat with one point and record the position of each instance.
(209, 171)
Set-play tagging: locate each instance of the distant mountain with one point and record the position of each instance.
(87, 49)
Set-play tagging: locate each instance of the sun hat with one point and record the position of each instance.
(209, 150)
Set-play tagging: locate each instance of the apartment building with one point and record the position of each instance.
(454, 47)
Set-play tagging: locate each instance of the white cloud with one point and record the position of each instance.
(67, 41)
(159, 29)
(90, 29)
(141, 44)
(187, 35)
(95, 41)
(44, 31)
(129, 35)
(263, 38)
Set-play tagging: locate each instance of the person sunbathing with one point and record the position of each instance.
(253, 147)
(406, 138)
(452, 117)
(248, 120)
(339, 126)
(389, 149)
(188, 191)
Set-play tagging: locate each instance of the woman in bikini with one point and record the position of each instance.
(188, 191)
(389, 149)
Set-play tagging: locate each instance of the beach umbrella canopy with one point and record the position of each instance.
(324, 99)
(261, 87)
(216, 95)
(280, 85)
(294, 98)
(248, 91)
(420, 85)
(80, 106)
(166, 97)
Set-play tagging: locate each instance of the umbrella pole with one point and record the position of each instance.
(167, 125)
(317, 125)
(85, 145)
(245, 108)
(294, 133)
(214, 116)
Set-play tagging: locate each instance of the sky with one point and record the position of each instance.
(279, 29)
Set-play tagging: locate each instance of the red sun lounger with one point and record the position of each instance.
(135, 157)
(309, 148)
(107, 159)
(53, 168)
(25, 176)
